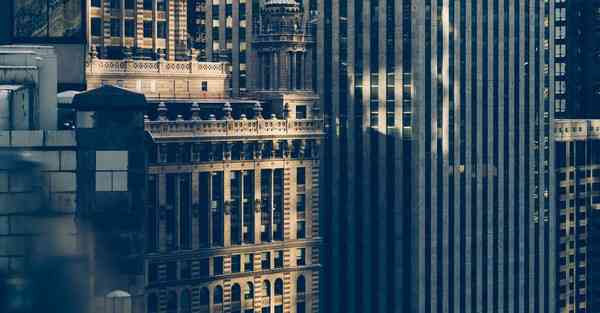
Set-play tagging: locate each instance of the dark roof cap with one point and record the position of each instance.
(109, 97)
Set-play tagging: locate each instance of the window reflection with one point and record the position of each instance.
(48, 18)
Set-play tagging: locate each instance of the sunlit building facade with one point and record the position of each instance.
(578, 190)
(439, 155)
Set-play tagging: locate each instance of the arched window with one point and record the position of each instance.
(186, 303)
(235, 293)
(249, 291)
(172, 302)
(279, 287)
(267, 288)
(204, 296)
(152, 303)
(218, 296)
(301, 284)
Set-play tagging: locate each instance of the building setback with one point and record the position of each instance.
(438, 170)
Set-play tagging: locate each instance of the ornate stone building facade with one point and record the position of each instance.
(141, 28)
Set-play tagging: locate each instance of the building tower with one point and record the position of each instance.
(439, 167)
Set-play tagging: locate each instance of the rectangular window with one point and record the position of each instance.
(301, 257)
(301, 176)
(115, 27)
(218, 265)
(279, 259)
(161, 5)
(115, 4)
(130, 29)
(185, 272)
(96, 26)
(265, 260)
(148, 29)
(148, 5)
(300, 112)
(204, 86)
(96, 3)
(161, 29)
(235, 263)
(129, 4)
(248, 262)
(204, 268)
(301, 230)
(301, 203)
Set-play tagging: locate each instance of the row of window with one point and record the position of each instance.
(161, 5)
(182, 303)
(237, 261)
(130, 28)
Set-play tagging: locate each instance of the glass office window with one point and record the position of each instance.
(47, 19)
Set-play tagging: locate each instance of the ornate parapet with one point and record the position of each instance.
(576, 129)
(162, 79)
(235, 129)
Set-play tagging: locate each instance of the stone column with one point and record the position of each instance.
(106, 38)
(285, 75)
(139, 24)
(122, 23)
(275, 78)
(293, 69)
(162, 204)
(302, 70)
(308, 69)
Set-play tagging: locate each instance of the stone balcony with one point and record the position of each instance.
(232, 129)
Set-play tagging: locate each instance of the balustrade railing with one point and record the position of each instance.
(101, 66)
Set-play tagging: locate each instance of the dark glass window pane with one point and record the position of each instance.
(161, 5)
(96, 3)
(115, 4)
(96, 26)
(148, 29)
(161, 29)
(129, 28)
(115, 27)
(30, 18)
(129, 4)
(235, 263)
(65, 18)
(147, 4)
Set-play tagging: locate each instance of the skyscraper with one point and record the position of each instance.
(439, 155)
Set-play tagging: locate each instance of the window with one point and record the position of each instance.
(300, 307)
(300, 203)
(129, 4)
(96, 26)
(172, 301)
(186, 303)
(185, 272)
(218, 296)
(204, 268)
(235, 263)
(300, 112)
(96, 3)
(265, 260)
(204, 86)
(115, 4)
(161, 5)
(161, 29)
(235, 293)
(301, 230)
(218, 265)
(172, 271)
(301, 284)
(148, 29)
(279, 287)
(249, 291)
(248, 262)
(129, 28)
(111, 170)
(204, 296)
(279, 259)
(148, 5)
(267, 288)
(301, 257)
(152, 273)
(152, 303)
(300, 176)
(279, 308)
(115, 27)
